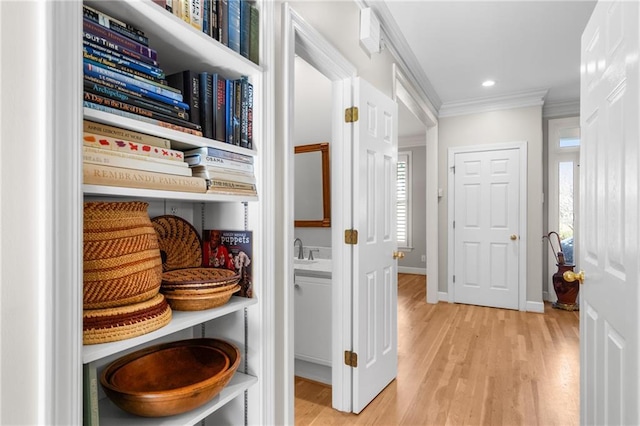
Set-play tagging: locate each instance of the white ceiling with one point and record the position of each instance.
(525, 46)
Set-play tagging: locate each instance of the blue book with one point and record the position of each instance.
(90, 66)
(234, 24)
(118, 83)
(206, 17)
(135, 65)
(229, 102)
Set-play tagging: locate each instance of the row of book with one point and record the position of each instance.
(113, 156)
(222, 107)
(234, 23)
(122, 75)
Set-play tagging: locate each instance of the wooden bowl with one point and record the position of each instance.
(170, 378)
(199, 302)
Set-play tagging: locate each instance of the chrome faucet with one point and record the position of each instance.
(300, 250)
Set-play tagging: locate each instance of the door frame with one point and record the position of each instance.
(522, 260)
(300, 38)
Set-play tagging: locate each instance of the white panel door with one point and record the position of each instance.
(486, 228)
(375, 292)
(609, 298)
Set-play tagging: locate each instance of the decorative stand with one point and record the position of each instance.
(567, 292)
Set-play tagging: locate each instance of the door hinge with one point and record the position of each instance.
(454, 278)
(351, 359)
(351, 236)
(453, 169)
(351, 115)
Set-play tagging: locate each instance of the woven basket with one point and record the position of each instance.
(122, 263)
(194, 277)
(192, 302)
(180, 244)
(125, 322)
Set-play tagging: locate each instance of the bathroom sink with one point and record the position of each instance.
(303, 261)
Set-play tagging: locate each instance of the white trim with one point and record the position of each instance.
(443, 296)
(412, 270)
(561, 109)
(302, 39)
(404, 90)
(495, 103)
(413, 141)
(523, 241)
(537, 307)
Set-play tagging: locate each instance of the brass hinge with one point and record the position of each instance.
(351, 236)
(351, 359)
(351, 115)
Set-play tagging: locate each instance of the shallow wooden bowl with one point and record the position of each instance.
(199, 302)
(170, 378)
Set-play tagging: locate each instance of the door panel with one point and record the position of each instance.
(609, 210)
(375, 296)
(486, 216)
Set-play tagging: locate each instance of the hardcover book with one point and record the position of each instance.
(206, 160)
(220, 112)
(97, 174)
(128, 135)
(106, 44)
(206, 102)
(116, 58)
(233, 9)
(115, 25)
(254, 35)
(220, 153)
(188, 83)
(116, 159)
(96, 29)
(230, 250)
(127, 146)
(245, 22)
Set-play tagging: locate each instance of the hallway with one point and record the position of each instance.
(467, 365)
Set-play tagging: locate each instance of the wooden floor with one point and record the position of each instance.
(467, 365)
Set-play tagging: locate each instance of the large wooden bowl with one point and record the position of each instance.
(170, 378)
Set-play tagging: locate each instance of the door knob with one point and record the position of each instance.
(398, 254)
(571, 276)
(513, 237)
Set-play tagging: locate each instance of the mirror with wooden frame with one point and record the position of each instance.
(312, 189)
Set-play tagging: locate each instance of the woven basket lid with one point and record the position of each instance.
(125, 322)
(189, 276)
(180, 244)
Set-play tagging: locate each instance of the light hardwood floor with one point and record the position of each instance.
(467, 365)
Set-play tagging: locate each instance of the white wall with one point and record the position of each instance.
(520, 124)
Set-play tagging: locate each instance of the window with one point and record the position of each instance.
(403, 189)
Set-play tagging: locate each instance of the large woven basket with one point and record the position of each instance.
(125, 322)
(122, 263)
(179, 242)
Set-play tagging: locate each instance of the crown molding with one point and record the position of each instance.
(495, 103)
(561, 109)
(393, 39)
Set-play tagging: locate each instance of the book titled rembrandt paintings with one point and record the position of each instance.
(230, 250)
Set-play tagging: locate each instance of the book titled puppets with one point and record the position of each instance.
(230, 250)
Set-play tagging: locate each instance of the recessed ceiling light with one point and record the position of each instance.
(488, 83)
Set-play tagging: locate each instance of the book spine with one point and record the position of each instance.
(106, 44)
(234, 24)
(143, 80)
(185, 11)
(215, 33)
(231, 184)
(237, 111)
(245, 22)
(90, 409)
(168, 5)
(128, 135)
(113, 37)
(206, 17)
(254, 35)
(132, 116)
(114, 25)
(229, 103)
(116, 58)
(220, 110)
(150, 105)
(129, 147)
(211, 173)
(91, 148)
(93, 69)
(147, 164)
(214, 99)
(207, 160)
(221, 153)
(223, 21)
(95, 174)
(195, 14)
(125, 70)
(120, 93)
(189, 83)
(122, 23)
(129, 88)
(134, 109)
(206, 102)
(249, 116)
(244, 112)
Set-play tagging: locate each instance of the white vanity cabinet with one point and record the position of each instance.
(312, 313)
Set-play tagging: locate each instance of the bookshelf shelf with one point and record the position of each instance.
(116, 191)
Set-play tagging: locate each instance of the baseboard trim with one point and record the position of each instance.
(410, 270)
(443, 296)
(535, 307)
